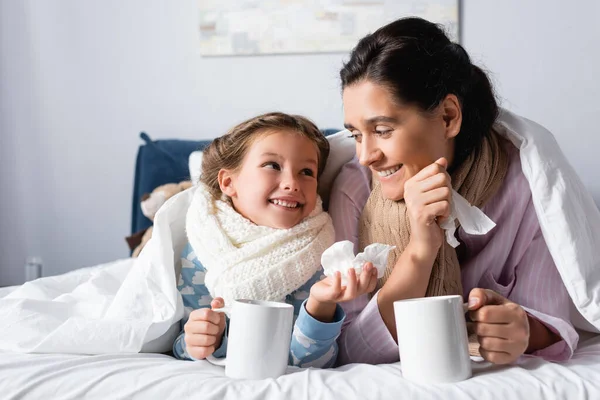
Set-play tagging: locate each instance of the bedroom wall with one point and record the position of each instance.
(80, 80)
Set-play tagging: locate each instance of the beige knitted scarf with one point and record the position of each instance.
(385, 221)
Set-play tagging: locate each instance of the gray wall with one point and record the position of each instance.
(79, 80)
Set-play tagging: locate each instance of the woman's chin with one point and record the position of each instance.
(394, 193)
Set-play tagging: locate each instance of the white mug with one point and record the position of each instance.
(258, 342)
(432, 339)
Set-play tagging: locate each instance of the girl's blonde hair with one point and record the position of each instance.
(229, 150)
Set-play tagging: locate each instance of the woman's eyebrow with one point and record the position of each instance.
(381, 118)
(374, 120)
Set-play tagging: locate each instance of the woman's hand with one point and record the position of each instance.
(204, 330)
(502, 327)
(325, 294)
(428, 195)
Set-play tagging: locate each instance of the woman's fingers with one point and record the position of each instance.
(494, 344)
(502, 331)
(432, 169)
(496, 357)
(436, 195)
(434, 212)
(438, 180)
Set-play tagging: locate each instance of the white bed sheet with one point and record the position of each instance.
(155, 376)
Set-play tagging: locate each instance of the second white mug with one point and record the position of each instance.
(432, 339)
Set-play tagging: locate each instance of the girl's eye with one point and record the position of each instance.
(357, 136)
(272, 165)
(308, 172)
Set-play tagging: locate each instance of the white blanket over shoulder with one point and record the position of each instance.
(133, 305)
(568, 216)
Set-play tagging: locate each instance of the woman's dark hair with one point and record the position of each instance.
(415, 60)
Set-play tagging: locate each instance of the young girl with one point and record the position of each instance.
(256, 230)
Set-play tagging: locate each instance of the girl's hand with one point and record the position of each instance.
(428, 195)
(502, 327)
(204, 330)
(330, 289)
(325, 294)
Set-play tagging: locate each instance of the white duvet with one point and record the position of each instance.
(155, 376)
(133, 305)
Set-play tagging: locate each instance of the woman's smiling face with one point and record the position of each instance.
(395, 141)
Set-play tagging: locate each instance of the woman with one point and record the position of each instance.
(422, 116)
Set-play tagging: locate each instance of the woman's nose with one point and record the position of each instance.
(368, 153)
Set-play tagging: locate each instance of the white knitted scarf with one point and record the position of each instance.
(247, 261)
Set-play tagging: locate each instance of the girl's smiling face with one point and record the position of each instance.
(276, 185)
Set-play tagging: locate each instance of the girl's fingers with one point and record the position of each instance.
(337, 282)
(373, 281)
(217, 302)
(201, 328)
(200, 353)
(205, 314)
(351, 283)
(200, 340)
(365, 276)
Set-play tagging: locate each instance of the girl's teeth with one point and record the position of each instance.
(289, 204)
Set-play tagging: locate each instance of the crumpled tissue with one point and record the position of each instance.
(471, 218)
(340, 257)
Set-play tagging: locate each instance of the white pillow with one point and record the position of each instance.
(195, 166)
(342, 150)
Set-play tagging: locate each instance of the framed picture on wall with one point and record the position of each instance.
(254, 27)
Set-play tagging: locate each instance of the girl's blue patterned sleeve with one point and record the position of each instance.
(195, 295)
(314, 342)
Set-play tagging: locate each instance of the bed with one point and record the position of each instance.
(157, 376)
(120, 373)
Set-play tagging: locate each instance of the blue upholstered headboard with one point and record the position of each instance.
(159, 162)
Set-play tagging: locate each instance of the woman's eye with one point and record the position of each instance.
(308, 172)
(357, 136)
(383, 131)
(272, 165)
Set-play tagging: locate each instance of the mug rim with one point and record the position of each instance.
(429, 299)
(263, 303)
